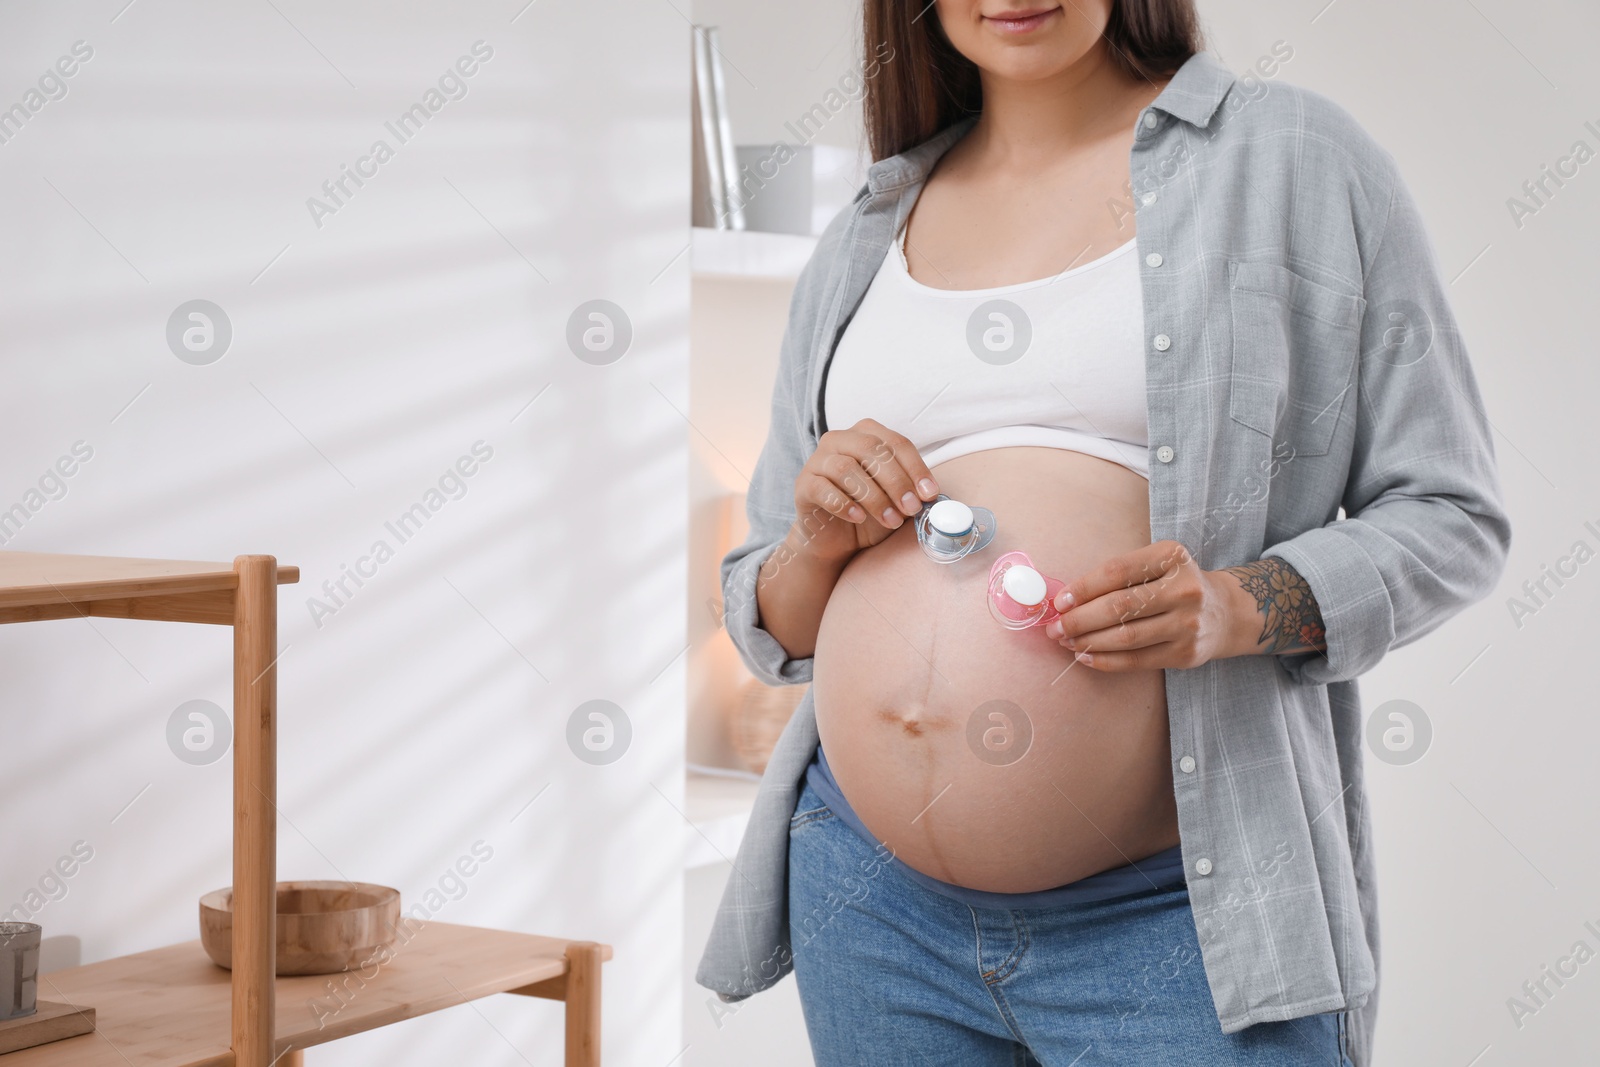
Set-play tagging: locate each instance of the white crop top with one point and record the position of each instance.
(941, 366)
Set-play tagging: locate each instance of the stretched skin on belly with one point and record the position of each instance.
(907, 656)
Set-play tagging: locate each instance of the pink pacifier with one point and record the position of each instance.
(1019, 596)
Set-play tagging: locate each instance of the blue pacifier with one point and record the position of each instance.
(949, 530)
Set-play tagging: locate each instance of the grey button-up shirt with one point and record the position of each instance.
(1309, 398)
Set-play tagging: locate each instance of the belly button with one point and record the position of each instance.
(912, 723)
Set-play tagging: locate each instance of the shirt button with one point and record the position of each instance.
(1202, 866)
(1186, 765)
(1165, 453)
(1149, 198)
(1153, 259)
(1150, 120)
(1162, 342)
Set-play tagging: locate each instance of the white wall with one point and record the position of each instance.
(1487, 866)
(367, 356)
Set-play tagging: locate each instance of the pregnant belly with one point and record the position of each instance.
(983, 756)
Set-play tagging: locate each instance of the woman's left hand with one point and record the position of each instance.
(1153, 608)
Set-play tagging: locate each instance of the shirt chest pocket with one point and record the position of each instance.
(1295, 344)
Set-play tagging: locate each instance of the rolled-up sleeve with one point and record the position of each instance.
(742, 567)
(1425, 531)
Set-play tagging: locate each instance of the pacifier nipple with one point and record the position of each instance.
(950, 517)
(949, 530)
(1024, 585)
(1019, 596)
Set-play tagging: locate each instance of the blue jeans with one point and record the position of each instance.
(893, 973)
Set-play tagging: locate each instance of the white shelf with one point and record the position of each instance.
(719, 808)
(749, 254)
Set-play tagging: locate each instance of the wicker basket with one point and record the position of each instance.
(762, 713)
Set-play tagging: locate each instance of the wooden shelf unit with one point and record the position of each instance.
(172, 1005)
(440, 966)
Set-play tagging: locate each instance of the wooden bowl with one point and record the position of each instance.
(323, 927)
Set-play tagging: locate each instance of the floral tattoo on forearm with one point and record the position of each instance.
(1291, 618)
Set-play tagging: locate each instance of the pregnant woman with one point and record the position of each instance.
(1183, 335)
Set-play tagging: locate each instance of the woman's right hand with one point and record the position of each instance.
(858, 487)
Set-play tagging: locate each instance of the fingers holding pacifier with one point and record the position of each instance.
(1122, 637)
(891, 461)
(897, 465)
(846, 472)
(822, 494)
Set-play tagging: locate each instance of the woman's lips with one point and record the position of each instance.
(1022, 21)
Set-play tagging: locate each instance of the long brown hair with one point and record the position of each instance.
(918, 83)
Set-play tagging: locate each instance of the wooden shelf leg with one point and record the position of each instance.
(583, 1004)
(255, 791)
